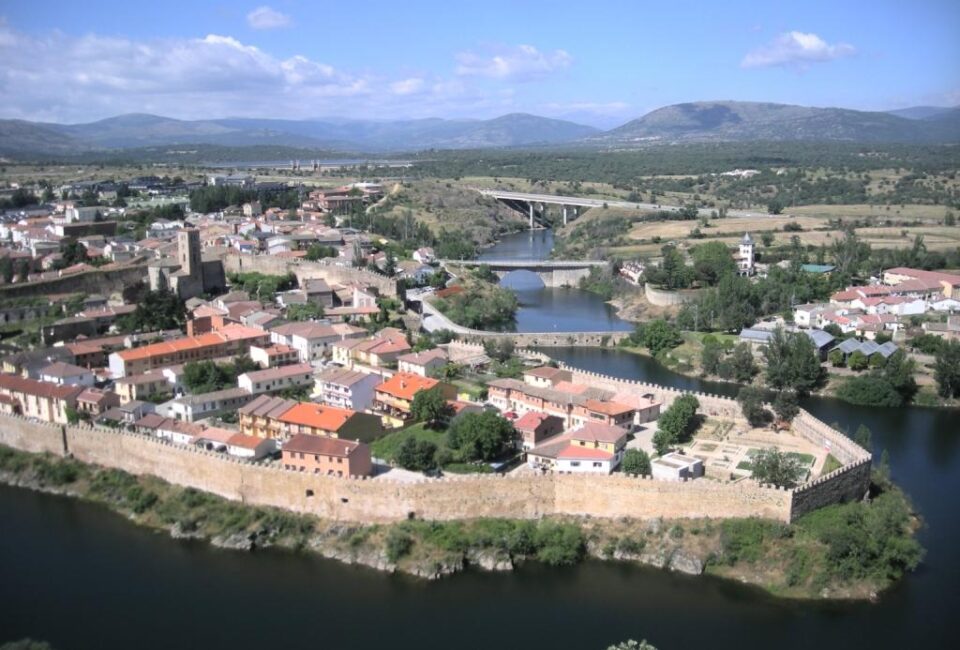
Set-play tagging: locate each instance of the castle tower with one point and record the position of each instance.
(188, 248)
(746, 254)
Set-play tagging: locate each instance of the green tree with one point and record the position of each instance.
(786, 405)
(658, 336)
(946, 369)
(677, 423)
(430, 406)
(156, 310)
(319, 252)
(711, 261)
(772, 467)
(836, 358)
(636, 461)
(863, 437)
(499, 349)
(858, 361)
(417, 455)
(6, 269)
(792, 362)
(481, 436)
(307, 311)
(710, 356)
(73, 252)
(742, 365)
(751, 401)
(775, 206)
(767, 238)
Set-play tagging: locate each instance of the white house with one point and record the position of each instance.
(348, 389)
(424, 255)
(422, 363)
(275, 379)
(675, 467)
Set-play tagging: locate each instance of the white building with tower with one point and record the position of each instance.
(745, 260)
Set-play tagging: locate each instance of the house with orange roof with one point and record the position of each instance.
(319, 420)
(394, 397)
(229, 341)
(40, 399)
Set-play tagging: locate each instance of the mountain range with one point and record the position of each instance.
(716, 121)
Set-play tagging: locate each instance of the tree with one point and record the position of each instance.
(946, 369)
(73, 252)
(319, 251)
(863, 437)
(792, 362)
(23, 270)
(858, 361)
(711, 261)
(416, 455)
(390, 264)
(767, 238)
(742, 365)
(771, 467)
(836, 358)
(786, 405)
(156, 310)
(751, 401)
(775, 206)
(677, 423)
(848, 253)
(636, 461)
(307, 311)
(481, 436)
(499, 349)
(429, 406)
(710, 356)
(6, 269)
(658, 335)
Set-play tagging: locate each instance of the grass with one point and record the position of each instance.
(831, 464)
(803, 459)
(745, 465)
(387, 447)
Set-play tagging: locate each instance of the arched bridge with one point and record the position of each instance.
(553, 273)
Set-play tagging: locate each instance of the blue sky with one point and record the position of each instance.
(596, 62)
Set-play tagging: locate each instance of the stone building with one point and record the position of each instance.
(189, 275)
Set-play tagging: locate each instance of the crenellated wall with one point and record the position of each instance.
(307, 270)
(524, 496)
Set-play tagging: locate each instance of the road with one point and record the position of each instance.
(556, 199)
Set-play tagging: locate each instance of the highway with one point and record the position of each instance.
(555, 199)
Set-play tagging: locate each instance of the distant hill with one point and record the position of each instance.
(921, 112)
(142, 130)
(732, 121)
(722, 121)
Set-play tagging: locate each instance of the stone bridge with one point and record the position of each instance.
(553, 273)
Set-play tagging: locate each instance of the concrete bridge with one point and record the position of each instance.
(536, 205)
(553, 273)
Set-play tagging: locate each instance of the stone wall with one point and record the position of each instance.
(99, 281)
(662, 298)
(306, 270)
(525, 496)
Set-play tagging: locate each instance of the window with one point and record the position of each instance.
(575, 463)
(597, 464)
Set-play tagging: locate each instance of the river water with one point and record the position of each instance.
(81, 577)
(553, 309)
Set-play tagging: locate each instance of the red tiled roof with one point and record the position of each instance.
(323, 445)
(316, 416)
(405, 385)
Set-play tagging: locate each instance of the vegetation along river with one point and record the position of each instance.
(79, 576)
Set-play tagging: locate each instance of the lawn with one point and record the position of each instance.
(804, 459)
(387, 446)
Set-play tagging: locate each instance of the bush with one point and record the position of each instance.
(398, 544)
(773, 467)
(636, 461)
(742, 540)
(869, 390)
(559, 543)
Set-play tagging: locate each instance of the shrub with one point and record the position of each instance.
(773, 467)
(559, 543)
(398, 544)
(636, 461)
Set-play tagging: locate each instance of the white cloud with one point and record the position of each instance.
(795, 49)
(61, 77)
(522, 62)
(267, 18)
(407, 86)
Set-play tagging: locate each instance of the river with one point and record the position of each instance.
(81, 577)
(553, 309)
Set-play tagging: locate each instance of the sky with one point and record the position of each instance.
(600, 63)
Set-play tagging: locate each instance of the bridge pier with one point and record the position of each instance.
(564, 215)
(531, 215)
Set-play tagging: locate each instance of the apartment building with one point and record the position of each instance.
(348, 389)
(39, 399)
(326, 456)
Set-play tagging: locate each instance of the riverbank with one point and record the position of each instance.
(795, 561)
